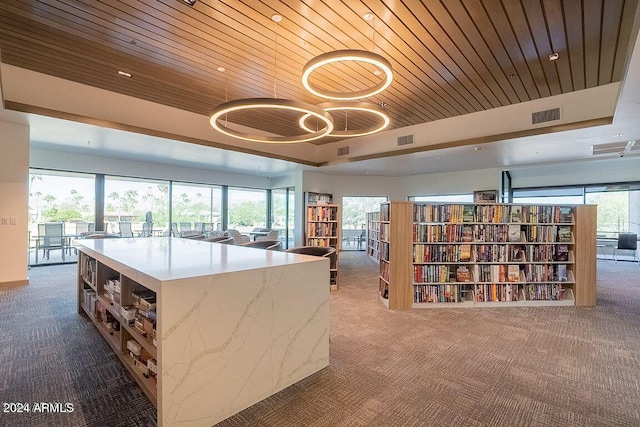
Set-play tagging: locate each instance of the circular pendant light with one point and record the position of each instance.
(272, 104)
(367, 107)
(345, 56)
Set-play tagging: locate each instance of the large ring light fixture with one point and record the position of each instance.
(367, 107)
(273, 104)
(343, 56)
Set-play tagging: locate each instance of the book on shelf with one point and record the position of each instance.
(468, 213)
(467, 234)
(561, 272)
(319, 198)
(465, 253)
(562, 253)
(485, 196)
(564, 214)
(513, 273)
(516, 214)
(517, 253)
(463, 274)
(564, 233)
(514, 233)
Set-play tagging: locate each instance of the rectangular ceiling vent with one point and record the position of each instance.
(343, 151)
(609, 148)
(405, 140)
(545, 116)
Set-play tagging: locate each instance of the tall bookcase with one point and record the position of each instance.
(323, 228)
(373, 236)
(486, 255)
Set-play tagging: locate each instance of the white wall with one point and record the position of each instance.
(595, 172)
(14, 196)
(60, 160)
(401, 187)
(459, 182)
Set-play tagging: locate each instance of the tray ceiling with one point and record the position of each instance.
(450, 58)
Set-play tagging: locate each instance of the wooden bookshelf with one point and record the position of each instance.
(323, 228)
(373, 236)
(487, 255)
(395, 250)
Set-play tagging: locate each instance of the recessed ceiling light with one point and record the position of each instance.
(377, 72)
(124, 74)
(189, 2)
(617, 135)
(479, 148)
(368, 16)
(553, 56)
(276, 18)
(221, 69)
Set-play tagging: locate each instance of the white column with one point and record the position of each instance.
(14, 202)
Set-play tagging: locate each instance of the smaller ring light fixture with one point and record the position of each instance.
(366, 107)
(273, 104)
(345, 56)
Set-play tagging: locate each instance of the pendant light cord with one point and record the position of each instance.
(275, 60)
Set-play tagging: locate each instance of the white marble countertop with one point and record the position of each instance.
(171, 258)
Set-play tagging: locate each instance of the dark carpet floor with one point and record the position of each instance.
(542, 366)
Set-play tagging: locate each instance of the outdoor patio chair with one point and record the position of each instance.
(51, 237)
(125, 229)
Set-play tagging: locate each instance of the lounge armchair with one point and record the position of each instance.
(237, 237)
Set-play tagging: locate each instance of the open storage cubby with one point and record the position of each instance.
(486, 255)
(124, 312)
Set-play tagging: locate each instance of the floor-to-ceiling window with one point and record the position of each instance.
(443, 198)
(61, 206)
(135, 201)
(196, 206)
(247, 209)
(282, 214)
(354, 220)
(618, 207)
(548, 196)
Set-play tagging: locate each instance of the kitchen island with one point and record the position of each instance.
(223, 326)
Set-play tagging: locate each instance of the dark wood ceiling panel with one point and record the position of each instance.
(100, 60)
(423, 63)
(475, 41)
(611, 16)
(624, 37)
(555, 23)
(575, 41)
(456, 42)
(541, 42)
(414, 83)
(450, 57)
(443, 51)
(592, 39)
(527, 48)
(480, 17)
(509, 40)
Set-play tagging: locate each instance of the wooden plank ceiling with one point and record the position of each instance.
(449, 57)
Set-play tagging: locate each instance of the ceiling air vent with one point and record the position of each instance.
(545, 116)
(343, 151)
(609, 148)
(405, 140)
